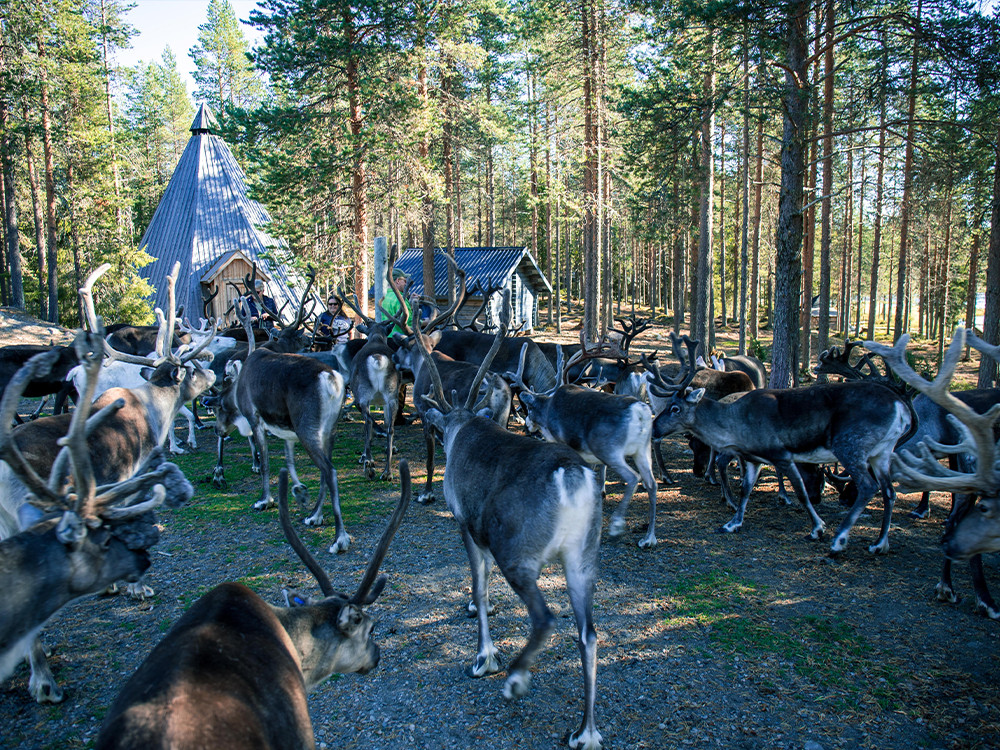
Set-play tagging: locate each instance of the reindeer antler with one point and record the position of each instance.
(924, 471)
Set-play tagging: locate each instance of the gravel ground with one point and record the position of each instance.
(752, 640)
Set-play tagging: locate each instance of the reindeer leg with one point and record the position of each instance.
(881, 545)
(943, 591)
(189, 416)
(219, 475)
(923, 509)
(486, 657)
(661, 466)
(750, 473)
(390, 428)
(266, 500)
(427, 496)
(984, 602)
(643, 463)
(580, 584)
(366, 455)
(298, 489)
(42, 685)
(866, 488)
(790, 470)
(525, 585)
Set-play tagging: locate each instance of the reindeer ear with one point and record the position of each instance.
(350, 618)
(695, 396)
(146, 372)
(434, 337)
(295, 599)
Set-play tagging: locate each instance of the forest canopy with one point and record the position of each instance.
(722, 164)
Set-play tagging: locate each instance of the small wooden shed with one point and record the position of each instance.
(503, 268)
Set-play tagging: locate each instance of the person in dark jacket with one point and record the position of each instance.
(333, 326)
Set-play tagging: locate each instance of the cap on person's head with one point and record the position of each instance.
(399, 273)
(259, 283)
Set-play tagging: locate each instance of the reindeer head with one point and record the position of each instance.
(334, 634)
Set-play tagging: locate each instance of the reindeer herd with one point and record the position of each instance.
(80, 491)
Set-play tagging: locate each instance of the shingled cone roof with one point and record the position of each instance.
(205, 215)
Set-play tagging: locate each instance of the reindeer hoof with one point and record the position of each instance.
(585, 739)
(839, 544)
(265, 504)
(730, 528)
(369, 470)
(881, 548)
(945, 593)
(139, 591)
(45, 691)
(485, 664)
(985, 609)
(647, 542)
(299, 493)
(341, 545)
(616, 528)
(920, 514)
(314, 520)
(426, 498)
(517, 685)
(472, 610)
(386, 476)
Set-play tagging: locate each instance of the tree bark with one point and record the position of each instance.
(879, 196)
(50, 188)
(10, 213)
(904, 209)
(359, 170)
(788, 243)
(703, 290)
(36, 206)
(991, 314)
(826, 229)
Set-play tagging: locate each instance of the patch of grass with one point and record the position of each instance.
(212, 505)
(738, 617)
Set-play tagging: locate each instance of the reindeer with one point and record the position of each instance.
(15, 356)
(604, 428)
(295, 398)
(455, 376)
(86, 536)
(970, 529)
(374, 377)
(519, 503)
(858, 424)
(264, 660)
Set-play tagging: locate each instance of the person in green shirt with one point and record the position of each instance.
(390, 302)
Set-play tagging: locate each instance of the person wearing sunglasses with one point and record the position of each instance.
(333, 326)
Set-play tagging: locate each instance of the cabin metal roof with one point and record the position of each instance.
(487, 266)
(206, 214)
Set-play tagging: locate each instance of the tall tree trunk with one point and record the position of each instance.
(533, 163)
(36, 206)
(861, 237)
(879, 195)
(905, 207)
(50, 187)
(788, 242)
(359, 171)
(809, 230)
(722, 222)
(847, 257)
(826, 229)
(592, 179)
(758, 185)
(10, 213)
(970, 304)
(115, 172)
(491, 209)
(427, 201)
(745, 180)
(449, 194)
(548, 209)
(945, 270)
(706, 176)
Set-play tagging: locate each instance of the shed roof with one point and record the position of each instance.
(483, 265)
(205, 214)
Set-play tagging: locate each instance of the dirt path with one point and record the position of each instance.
(752, 640)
